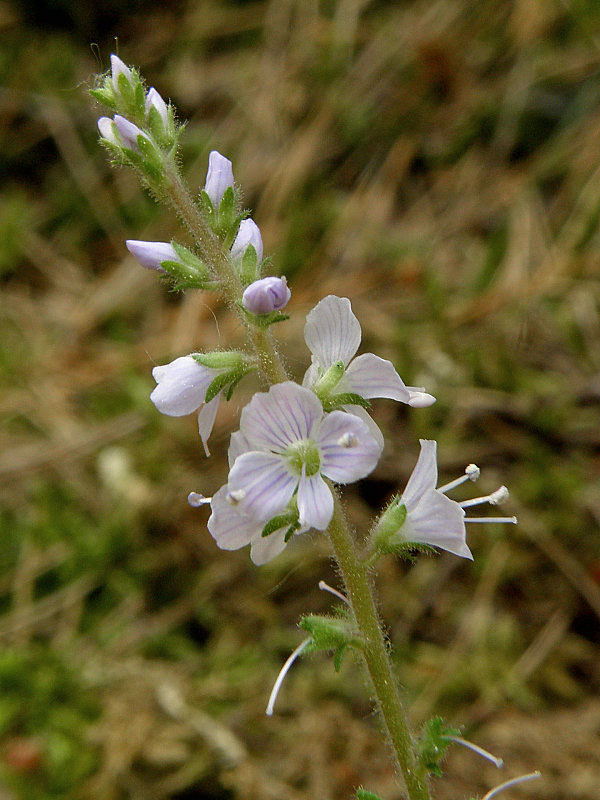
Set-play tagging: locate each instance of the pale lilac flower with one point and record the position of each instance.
(266, 295)
(181, 390)
(118, 67)
(154, 100)
(151, 254)
(218, 178)
(248, 234)
(293, 445)
(332, 334)
(431, 517)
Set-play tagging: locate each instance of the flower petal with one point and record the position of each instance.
(264, 483)
(182, 386)
(346, 461)
(311, 375)
(229, 527)
(238, 444)
(424, 475)
(332, 332)
(265, 548)
(419, 398)
(315, 502)
(206, 420)
(371, 376)
(438, 521)
(363, 414)
(276, 419)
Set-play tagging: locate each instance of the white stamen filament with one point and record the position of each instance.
(235, 497)
(498, 762)
(195, 499)
(529, 777)
(494, 499)
(325, 587)
(472, 472)
(348, 440)
(511, 520)
(283, 672)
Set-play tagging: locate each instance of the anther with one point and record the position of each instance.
(236, 496)
(494, 499)
(195, 499)
(472, 473)
(348, 440)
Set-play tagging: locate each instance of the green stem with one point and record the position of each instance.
(360, 595)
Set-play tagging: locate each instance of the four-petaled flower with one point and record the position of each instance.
(332, 334)
(293, 445)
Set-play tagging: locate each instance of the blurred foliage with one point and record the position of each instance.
(438, 163)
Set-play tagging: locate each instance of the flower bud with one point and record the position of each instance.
(266, 295)
(218, 178)
(105, 126)
(119, 68)
(151, 254)
(128, 132)
(154, 100)
(248, 234)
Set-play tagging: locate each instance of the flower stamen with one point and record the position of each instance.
(472, 473)
(511, 520)
(282, 673)
(325, 587)
(498, 762)
(513, 782)
(494, 499)
(195, 499)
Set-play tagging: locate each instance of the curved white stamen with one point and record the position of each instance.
(195, 499)
(494, 499)
(476, 749)
(512, 520)
(348, 440)
(283, 672)
(529, 777)
(327, 588)
(236, 496)
(472, 473)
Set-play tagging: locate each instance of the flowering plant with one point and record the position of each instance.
(296, 444)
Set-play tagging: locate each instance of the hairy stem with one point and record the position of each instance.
(359, 591)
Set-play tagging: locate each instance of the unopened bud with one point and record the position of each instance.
(151, 254)
(248, 234)
(107, 131)
(128, 132)
(118, 67)
(266, 295)
(218, 178)
(154, 100)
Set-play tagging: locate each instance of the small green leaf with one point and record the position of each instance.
(218, 383)
(104, 97)
(345, 399)
(362, 794)
(278, 522)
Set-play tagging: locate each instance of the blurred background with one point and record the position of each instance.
(437, 161)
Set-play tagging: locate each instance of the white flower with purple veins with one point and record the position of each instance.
(151, 254)
(293, 445)
(181, 390)
(218, 178)
(232, 528)
(332, 333)
(266, 295)
(426, 516)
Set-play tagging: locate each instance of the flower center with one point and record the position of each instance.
(304, 454)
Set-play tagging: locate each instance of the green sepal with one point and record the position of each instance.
(362, 794)
(139, 98)
(345, 399)
(262, 321)
(279, 522)
(157, 126)
(248, 268)
(227, 210)
(104, 97)
(221, 381)
(338, 656)
(291, 531)
(151, 158)
(127, 93)
(228, 237)
(231, 388)
(432, 744)
(221, 359)
(208, 207)
(330, 633)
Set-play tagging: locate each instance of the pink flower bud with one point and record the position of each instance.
(248, 234)
(218, 178)
(151, 254)
(266, 295)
